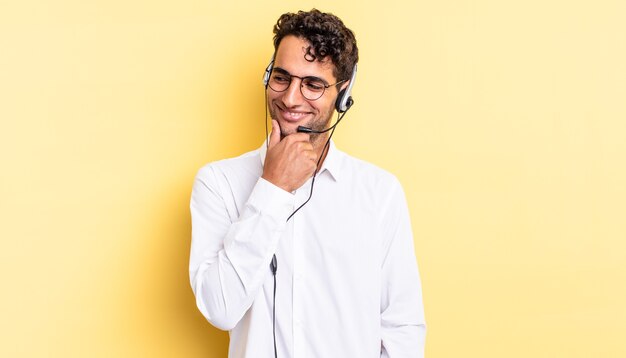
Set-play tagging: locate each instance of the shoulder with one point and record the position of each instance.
(245, 163)
(366, 173)
(231, 173)
(377, 191)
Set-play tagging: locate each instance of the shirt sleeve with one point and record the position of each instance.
(403, 326)
(229, 261)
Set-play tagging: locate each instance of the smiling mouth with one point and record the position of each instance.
(293, 116)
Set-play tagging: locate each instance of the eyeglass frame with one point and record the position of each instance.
(284, 72)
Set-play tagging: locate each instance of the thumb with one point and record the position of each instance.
(275, 135)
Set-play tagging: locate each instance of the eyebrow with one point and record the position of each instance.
(285, 72)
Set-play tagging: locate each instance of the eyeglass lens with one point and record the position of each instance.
(311, 88)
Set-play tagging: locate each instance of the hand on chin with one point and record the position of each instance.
(289, 127)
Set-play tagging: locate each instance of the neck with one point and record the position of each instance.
(319, 142)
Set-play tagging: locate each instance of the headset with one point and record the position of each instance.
(344, 98)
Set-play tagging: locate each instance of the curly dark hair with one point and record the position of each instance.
(328, 37)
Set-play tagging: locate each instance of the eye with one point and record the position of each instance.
(278, 78)
(313, 84)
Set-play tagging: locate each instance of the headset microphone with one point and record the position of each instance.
(303, 129)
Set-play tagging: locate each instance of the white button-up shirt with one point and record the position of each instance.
(347, 279)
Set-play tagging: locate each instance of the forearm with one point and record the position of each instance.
(403, 326)
(229, 261)
(403, 341)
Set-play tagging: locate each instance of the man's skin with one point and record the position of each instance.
(289, 162)
(292, 157)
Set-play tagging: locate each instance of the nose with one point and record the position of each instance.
(293, 95)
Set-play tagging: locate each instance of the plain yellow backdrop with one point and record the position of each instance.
(504, 120)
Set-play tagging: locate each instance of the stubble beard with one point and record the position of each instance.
(316, 125)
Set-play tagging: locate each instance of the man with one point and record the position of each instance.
(346, 282)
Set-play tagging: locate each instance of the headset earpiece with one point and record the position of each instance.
(339, 106)
(344, 99)
(268, 72)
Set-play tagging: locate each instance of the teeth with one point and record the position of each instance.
(295, 115)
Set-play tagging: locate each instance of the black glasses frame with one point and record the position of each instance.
(302, 79)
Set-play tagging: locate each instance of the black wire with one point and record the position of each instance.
(273, 263)
(319, 160)
(332, 131)
(274, 312)
(267, 140)
(326, 146)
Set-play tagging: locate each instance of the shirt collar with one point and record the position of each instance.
(332, 163)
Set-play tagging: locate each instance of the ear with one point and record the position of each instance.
(344, 86)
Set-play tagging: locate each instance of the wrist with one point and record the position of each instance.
(274, 181)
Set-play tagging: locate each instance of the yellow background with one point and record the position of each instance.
(504, 120)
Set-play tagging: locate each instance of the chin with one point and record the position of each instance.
(287, 128)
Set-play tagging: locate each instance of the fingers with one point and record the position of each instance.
(297, 138)
(275, 135)
(293, 143)
(307, 151)
(290, 161)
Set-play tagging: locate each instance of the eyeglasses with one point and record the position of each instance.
(311, 87)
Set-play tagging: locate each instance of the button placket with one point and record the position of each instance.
(298, 288)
